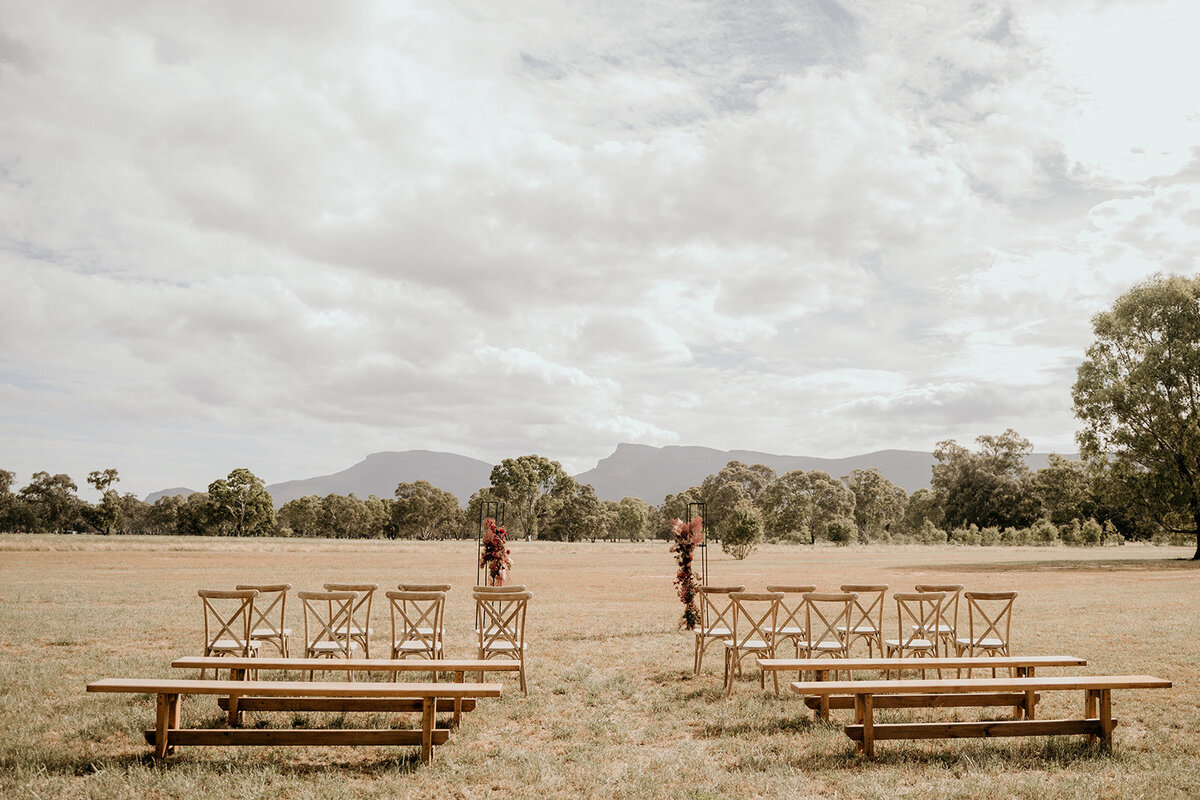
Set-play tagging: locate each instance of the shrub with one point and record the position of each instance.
(1112, 536)
(842, 531)
(742, 531)
(1072, 533)
(965, 536)
(989, 536)
(1092, 533)
(1043, 532)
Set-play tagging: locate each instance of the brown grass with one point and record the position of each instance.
(614, 710)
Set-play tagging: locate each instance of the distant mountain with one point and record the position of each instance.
(379, 473)
(651, 473)
(180, 490)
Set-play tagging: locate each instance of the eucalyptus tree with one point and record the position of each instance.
(878, 503)
(1138, 396)
(533, 488)
(50, 502)
(423, 511)
(241, 504)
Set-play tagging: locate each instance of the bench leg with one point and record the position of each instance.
(427, 708)
(1089, 708)
(166, 718)
(458, 678)
(1106, 720)
(235, 713)
(864, 714)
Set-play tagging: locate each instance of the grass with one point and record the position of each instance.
(614, 710)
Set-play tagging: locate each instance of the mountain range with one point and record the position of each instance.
(633, 470)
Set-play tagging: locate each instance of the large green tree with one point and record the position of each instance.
(736, 484)
(241, 504)
(422, 511)
(533, 488)
(991, 487)
(50, 501)
(878, 503)
(1138, 396)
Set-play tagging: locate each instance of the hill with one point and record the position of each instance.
(379, 473)
(180, 490)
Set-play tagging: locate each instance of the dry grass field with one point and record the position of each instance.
(613, 710)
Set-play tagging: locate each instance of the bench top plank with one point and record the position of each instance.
(978, 662)
(294, 688)
(348, 664)
(966, 685)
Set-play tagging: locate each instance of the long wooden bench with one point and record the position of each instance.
(1097, 720)
(240, 668)
(819, 668)
(167, 735)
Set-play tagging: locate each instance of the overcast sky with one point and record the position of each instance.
(284, 235)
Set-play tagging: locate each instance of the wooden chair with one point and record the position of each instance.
(360, 631)
(716, 625)
(989, 618)
(947, 624)
(790, 626)
(824, 614)
(917, 614)
(228, 616)
(332, 619)
(866, 616)
(417, 624)
(754, 617)
(502, 634)
(270, 618)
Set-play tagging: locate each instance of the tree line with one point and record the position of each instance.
(1137, 395)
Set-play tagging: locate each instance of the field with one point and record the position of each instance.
(613, 710)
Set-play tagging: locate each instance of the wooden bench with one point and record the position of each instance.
(819, 669)
(240, 667)
(425, 697)
(1097, 720)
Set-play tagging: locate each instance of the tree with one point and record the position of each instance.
(878, 503)
(786, 505)
(578, 514)
(1138, 396)
(241, 504)
(301, 516)
(632, 516)
(734, 484)
(8, 501)
(162, 517)
(674, 506)
(50, 501)
(344, 517)
(742, 531)
(989, 488)
(101, 480)
(421, 510)
(824, 499)
(1063, 490)
(533, 488)
(922, 512)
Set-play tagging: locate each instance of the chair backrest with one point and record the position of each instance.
(918, 614)
(362, 606)
(424, 587)
(989, 615)
(227, 616)
(867, 609)
(503, 616)
(825, 613)
(716, 609)
(417, 617)
(949, 615)
(270, 608)
(791, 607)
(754, 617)
(512, 588)
(332, 615)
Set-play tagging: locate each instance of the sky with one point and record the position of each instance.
(283, 235)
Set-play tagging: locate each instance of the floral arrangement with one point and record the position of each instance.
(496, 558)
(687, 536)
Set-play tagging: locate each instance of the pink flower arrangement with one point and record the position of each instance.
(687, 536)
(496, 558)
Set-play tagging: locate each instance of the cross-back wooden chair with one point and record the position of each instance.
(360, 628)
(917, 614)
(716, 624)
(417, 624)
(228, 616)
(328, 620)
(866, 616)
(989, 620)
(270, 614)
(502, 633)
(790, 626)
(754, 617)
(511, 588)
(824, 614)
(947, 624)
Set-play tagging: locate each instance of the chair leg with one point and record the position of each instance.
(521, 672)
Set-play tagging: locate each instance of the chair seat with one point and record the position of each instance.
(332, 647)
(232, 646)
(267, 633)
(825, 645)
(860, 630)
(789, 630)
(750, 644)
(413, 646)
(912, 644)
(716, 633)
(503, 647)
(985, 642)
